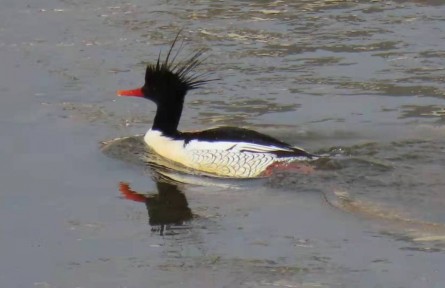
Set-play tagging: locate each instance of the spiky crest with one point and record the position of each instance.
(183, 70)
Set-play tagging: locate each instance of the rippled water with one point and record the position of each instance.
(362, 81)
(325, 75)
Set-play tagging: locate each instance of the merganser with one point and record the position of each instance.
(222, 151)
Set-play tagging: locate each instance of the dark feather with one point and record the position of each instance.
(235, 134)
(182, 70)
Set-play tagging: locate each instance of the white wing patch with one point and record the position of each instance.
(233, 146)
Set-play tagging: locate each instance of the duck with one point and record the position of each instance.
(224, 151)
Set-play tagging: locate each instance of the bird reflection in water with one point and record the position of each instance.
(167, 210)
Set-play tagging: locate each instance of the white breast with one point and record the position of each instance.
(230, 159)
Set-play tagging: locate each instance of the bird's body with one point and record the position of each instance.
(223, 151)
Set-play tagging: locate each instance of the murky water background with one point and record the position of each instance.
(362, 81)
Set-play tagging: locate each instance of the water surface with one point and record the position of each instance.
(361, 81)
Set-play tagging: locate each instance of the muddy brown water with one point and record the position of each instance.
(362, 81)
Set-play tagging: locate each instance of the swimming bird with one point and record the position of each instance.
(222, 151)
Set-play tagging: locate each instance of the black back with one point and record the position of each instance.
(235, 134)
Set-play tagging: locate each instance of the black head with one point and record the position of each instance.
(168, 81)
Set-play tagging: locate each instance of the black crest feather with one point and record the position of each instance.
(183, 71)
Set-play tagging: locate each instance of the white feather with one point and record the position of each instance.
(233, 146)
(225, 158)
